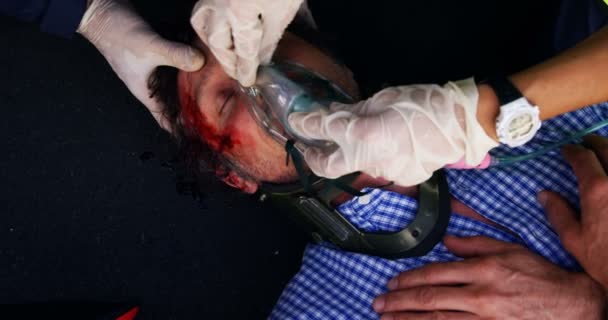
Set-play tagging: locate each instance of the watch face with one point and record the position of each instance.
(521, 126)
(517, 122)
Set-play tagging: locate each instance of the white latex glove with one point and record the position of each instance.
(402, 134)
(133, 49)
(242, 34)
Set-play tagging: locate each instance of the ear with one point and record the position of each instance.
(237, 181)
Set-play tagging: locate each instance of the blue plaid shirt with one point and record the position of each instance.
(334, 284)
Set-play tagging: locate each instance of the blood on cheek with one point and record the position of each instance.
(220, 141)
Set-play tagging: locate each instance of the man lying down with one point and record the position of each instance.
(210, 118)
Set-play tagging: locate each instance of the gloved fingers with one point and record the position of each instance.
(402, 170)
(343, 127)
(377, 104)
(246, 70)
(213, 28)
(327, 163)
(97, 15)
(362, 108)
(242, 33)
(246, 19)
(257, 29)
(177, 55)
(274, 25)
(307, 124)
(334, 164)
(338, 106)
(317, 125)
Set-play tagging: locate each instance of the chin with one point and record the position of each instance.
(284, 175)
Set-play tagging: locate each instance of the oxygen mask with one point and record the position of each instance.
(284, 88)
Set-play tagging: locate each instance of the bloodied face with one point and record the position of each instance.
(213, 106)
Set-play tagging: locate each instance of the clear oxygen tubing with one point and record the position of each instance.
(509, 160)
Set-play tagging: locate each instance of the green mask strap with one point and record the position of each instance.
(310, 206)
(296, 157)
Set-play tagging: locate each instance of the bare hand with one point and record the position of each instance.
(585, 237)
(496, 280)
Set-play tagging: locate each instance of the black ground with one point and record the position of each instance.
(88, 203)
(89, 209)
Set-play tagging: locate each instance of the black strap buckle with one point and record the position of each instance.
(309, 205)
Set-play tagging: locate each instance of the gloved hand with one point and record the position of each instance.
(133, 49)
(402, 133)
(242, 34)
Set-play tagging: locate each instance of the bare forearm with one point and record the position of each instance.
(570, 81)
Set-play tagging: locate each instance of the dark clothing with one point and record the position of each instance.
(579, 19)
(60, 17)
(385, 42)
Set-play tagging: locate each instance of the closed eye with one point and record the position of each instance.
(228, 97)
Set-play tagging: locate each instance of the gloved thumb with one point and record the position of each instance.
(563, 219)
(308, 124)
(323, 125)
(330, 164)
(178, 55)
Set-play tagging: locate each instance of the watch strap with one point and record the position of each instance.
(504, 89)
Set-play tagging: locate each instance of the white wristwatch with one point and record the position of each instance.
(518, 120)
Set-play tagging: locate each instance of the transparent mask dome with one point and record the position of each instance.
(281, 89)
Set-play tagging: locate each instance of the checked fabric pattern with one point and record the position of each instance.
(334, 284)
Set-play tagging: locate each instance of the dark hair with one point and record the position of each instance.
(194, 154)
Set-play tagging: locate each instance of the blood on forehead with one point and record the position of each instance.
(219, 141)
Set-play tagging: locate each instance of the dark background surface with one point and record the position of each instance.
(83, 215)
(88, 205)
